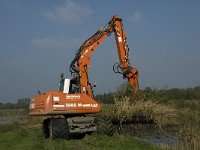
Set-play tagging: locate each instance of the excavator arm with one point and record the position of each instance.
(81, 63)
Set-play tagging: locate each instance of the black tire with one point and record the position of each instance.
(45, 127)
(59, 128)
(104, 126)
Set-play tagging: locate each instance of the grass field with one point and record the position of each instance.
(29, 136)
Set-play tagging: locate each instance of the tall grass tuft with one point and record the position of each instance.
(189, 126)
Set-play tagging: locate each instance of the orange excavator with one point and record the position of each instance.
(68, 107)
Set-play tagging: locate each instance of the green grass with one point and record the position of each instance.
(30, 137)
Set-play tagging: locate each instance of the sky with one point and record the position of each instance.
(38, 40)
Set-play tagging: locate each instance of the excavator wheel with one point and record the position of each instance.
(58, 128)
(45, 127)
(104, 126)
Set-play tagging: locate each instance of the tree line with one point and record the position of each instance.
(20, 104)
(108, 98)
(164, 94)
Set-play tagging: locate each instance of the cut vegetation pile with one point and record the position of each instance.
(143, 111)
(145, 107)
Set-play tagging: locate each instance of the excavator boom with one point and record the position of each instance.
(80, 65)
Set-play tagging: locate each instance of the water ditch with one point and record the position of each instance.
(148, 132)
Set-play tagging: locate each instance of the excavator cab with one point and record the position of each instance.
(68, 86)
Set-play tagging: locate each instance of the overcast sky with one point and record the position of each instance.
(38, 40)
